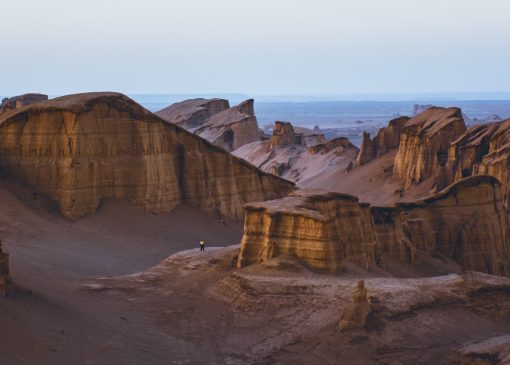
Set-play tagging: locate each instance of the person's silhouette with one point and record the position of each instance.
(202, 245)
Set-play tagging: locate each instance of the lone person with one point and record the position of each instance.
(202, 245)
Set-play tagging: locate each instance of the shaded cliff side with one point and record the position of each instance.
(215, 121)
(466, 222)
(82, 148)
(5, 277)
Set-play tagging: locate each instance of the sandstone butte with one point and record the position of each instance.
(214, 120)
(298, 156)
(80, 149)
(465, 222)
(20, 101)
(5, 278)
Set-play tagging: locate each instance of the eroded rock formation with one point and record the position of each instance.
(5, 276)
(466, 222)
(213, 120)
(493, 351)
(21, 101)
(355, 316)
(82, 148)
(387, 139)
(424, 144)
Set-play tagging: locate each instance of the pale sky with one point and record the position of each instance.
(254, 47)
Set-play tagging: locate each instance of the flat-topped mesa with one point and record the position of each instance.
(466, 222)
(424, 143)
(190, 114)
(5, 276)
(320, 229)
(82, 148)
(386, 140)
(19, 101)
(482, 149)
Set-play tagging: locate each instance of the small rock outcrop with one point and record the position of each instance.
(283, 135)
(355, 316)
(493, 351)
(212, 119)
(20, 101)
(82, 148)
(466, 222)
(424, 144)
(387, 139)
(5, 276)
(190, 114)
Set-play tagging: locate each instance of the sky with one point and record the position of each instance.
(254, 47)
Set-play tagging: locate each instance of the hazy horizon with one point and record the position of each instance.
(265, 48)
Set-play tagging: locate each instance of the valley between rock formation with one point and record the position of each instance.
(394, 253)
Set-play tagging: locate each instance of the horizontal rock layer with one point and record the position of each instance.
(466, 222)
(82, 148)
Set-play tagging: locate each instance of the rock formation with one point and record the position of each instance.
(482, 149)
(493, 351)
(20, 101)
(213, 120)
(387, 139)
(466, 222)
(355, 316)
(290, 155)
(190, 114)
(82, 148)
(5, 277)
(424, 143)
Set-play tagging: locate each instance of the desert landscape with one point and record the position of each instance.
(316, 251)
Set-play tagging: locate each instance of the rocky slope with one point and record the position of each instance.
(466, 223)
(82, 148)
(213, 120)
(424, 143)
(290, 155)
(21, 100)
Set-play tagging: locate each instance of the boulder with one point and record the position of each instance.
(80, 149)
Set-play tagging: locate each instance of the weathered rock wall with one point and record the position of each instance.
(83, 148)
(466, 222)
(19, 101)
(424, 144)
(5, 276)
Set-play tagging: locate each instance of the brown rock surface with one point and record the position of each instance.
(213, 120)
(82, 148)
(20, 101)
(355, 316)
(424, 143)
(5, 277)
(387, 139)
(493, 351)
(466, 222)
(191, 113)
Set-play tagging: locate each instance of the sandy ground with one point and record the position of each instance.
(126, 287)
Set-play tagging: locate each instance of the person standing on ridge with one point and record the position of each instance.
(202, 245)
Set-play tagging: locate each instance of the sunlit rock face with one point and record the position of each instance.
(387, 139)
(82, 148)
(424, 143)
(214, 120)
(482, 149)
(20, 101)
(466, 222)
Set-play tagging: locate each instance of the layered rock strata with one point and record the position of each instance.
(20, 101)
(213, 120)
(387, 139)
(466, 222)
(424, 143)
(82, 148)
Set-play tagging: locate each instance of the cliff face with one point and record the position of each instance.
(305, 225)
(20, 101)
(212, 119)
(482, 149)
(424, 143)
(466, 222)
(189, 114)
(5, 278)
(387, 139)
(82, 148)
